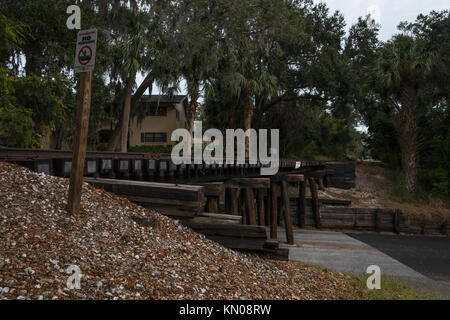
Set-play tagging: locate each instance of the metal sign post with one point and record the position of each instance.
(84, 64)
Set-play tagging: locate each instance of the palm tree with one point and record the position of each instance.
(401, 67)
(134, 49)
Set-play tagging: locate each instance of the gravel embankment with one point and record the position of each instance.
(120, 259)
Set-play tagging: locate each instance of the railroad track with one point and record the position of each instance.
(143, 166)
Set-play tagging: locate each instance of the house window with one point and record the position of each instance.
(155, 110)
(154, 137)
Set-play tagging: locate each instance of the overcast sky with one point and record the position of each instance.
(390, 12)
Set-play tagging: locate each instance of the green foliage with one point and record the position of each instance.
(30, 106)
(33, 109)
(290, 61)
(17, 127)
(310, 151)
(435, 180)
(419, 58)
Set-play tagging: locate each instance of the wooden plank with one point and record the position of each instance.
(315, 201)
(171, 211)
(228, 206)
(235, 201)
(272, 244)
(291, 178)
(335, 202)
(295, 178)
(147, 184)
(228, 230)
(274, 211)
(377, 220)
(199, 219)
(168, 202)
(150, 189)
(261, 208)
(316, 174)
(80, 143)
(242, 207)
(397, 215)
(267, 203)
(250, 206)
(220, 216)
(320, 183)
(213, 188)
(301, 204)
(287, 213)
(256, 183)
(212, 204)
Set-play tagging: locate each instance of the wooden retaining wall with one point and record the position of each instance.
(363, 219)
(344, 176)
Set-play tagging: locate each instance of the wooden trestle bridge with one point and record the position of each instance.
(231, 204)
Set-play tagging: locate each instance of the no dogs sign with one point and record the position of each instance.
(85, 52)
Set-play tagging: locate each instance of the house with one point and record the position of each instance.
(162, 115)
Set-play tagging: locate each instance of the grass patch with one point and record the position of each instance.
(421, 206)
(391, 288)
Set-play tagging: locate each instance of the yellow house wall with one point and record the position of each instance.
(156, 124)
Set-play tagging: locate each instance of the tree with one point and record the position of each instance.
(139, 47)
(194, 37)
(401, 67)
(134, 50)
(29, 106)
(434, 97)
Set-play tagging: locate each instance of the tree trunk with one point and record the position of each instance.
(31, 66)
(191, 111)
(448, 146)
(248, 118)
(407, 130)
(115, 139)
(126, 115)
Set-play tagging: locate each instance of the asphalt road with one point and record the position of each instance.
(429, 256)
(423, 261)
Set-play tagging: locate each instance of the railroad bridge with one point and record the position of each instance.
(231, 204)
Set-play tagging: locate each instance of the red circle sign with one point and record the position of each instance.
(85, 55)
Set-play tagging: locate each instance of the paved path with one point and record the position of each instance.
(415, 259)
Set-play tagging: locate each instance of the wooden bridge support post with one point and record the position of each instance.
(212, 204)
(301, 204)
(274, 211)
(250, 206)
(261, 208)
(287, 212)
(235, 201)
(320, 183)
(315, 201)
(267, 202)
(243, 207)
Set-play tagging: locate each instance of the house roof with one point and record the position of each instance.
(175, 99)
